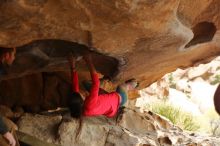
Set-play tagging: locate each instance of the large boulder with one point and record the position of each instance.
(42, 127)
(147, 38)
(147, 129)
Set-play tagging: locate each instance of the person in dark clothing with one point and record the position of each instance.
(7, 56)
(3, 128)
(6, 134)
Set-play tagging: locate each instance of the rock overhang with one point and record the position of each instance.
(148, 38)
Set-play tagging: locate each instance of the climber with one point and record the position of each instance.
(6, 135)
(95, 104)
(7, 56)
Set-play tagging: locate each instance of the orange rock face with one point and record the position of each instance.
(144, 39)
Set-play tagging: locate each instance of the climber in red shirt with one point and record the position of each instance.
(95, 104)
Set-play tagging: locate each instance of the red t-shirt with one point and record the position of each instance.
(95, 104)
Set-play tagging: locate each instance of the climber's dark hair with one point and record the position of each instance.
(75, 104)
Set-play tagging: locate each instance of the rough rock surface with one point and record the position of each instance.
(42, 127)
(6, 112)
(142, 39)
(154, 37)
(190, 91)
(147, 129)
(130, 39)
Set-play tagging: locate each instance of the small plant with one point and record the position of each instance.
(216, 80)
(189, 122)
(188, 95)
(176, 116)
(172, 84)
(165, 98)
(214, 124)
(167, 111)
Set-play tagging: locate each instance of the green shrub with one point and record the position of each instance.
(172, 83)
(176, 116)
(216, 80)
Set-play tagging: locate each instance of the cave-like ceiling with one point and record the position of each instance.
(142, 39)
